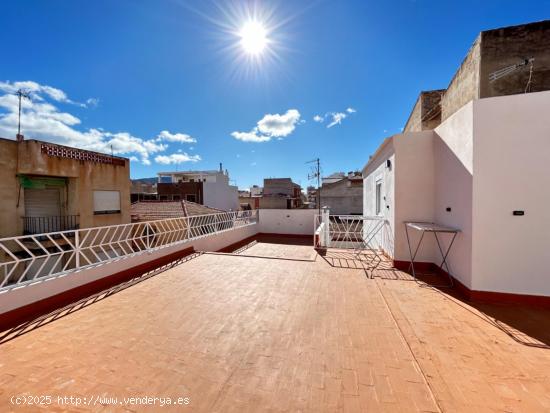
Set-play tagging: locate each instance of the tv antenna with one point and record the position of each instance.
(316, 174)
(21, 94)
(505, 71)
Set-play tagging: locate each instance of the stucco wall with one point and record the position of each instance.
(464, 86)
(10, 221)
(508, 46)
(220, 195)
(342, 198)
(287, 221)
(453, 152)
(84, 177)
(378, 171)
(414, 194)
(512, 172)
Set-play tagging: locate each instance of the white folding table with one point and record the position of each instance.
(435, 229)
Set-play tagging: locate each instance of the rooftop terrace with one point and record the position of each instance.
(276, 327)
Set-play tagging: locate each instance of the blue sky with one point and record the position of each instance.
(169, 84)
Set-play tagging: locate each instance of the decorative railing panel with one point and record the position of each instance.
(28, 258)
(40, 225)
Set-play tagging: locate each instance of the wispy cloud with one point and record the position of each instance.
(271, 126)
(334, 118)
(175, 137)
(177, 158)
(42, 119)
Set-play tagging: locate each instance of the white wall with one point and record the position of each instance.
(220, 195)
(453, 151)
(287, 221)
(512, 172)
(414, 192)
(372, 173)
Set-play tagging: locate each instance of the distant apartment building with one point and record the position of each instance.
(209, 188)
(343, 194)
(474, 157)
(250, 199)
(143, 190)
(46, 187)
(281, 193)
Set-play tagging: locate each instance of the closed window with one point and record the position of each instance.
(378, 197)
(191, 197)
(106, 202)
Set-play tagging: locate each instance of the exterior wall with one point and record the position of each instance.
(415, 118)
(426, 113)
(181, 189)
(342, 198)
(10, 213)
(220, 195)
(376, 171)
(453, 150)
(414, 192)
(273, 202)
(286, 221)
(83, 178)
(512, 172)
(508, 46)
(464, 86)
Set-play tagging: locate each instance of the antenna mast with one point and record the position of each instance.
(21, 94)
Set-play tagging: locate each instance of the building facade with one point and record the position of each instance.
(209, 188)
(281, 193)
(46, 187)
(483, 170)
(343, 196)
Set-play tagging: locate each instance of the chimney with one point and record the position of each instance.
(221, 168)
(19, 137)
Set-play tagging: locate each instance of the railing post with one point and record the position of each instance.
(325, 235)
(147, 235)
(77, 248)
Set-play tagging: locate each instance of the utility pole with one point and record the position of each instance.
(21, 94)
(317, 174)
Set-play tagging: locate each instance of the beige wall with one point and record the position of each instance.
(84, 177)
(453, 151)
(512, 172)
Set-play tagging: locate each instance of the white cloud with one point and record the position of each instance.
(337, 118)
(271, 126)
(175, 137)
(41, 119)
(251, 136)
(176, 158)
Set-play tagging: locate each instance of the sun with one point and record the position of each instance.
(253, 37)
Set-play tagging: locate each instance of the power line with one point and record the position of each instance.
(317, 174)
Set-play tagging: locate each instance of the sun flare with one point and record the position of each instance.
(253, 38)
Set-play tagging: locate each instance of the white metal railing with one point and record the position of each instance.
(348, 231)
(25, 259)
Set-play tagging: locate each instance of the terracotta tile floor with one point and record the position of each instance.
(251, 334)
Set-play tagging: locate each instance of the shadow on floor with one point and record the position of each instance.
(527, 325)
(28, 326)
